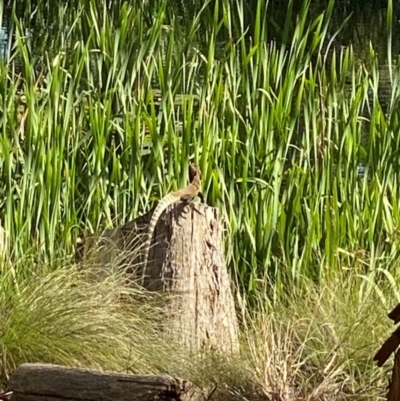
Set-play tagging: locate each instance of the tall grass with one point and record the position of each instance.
(122, 104)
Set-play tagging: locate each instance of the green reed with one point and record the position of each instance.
(128, 95)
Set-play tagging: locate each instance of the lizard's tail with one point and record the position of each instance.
(159, 210)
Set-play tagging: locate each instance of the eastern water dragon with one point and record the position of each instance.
(185, 194)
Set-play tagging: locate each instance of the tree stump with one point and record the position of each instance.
(186, 260)
(43, 382)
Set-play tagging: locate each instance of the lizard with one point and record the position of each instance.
(187, 193)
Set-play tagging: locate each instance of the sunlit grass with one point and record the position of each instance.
(76, 318)
(315, 344)
(320, 344)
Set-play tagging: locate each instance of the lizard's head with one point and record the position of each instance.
(194, 172)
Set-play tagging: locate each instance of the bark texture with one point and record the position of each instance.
(42, 382)
(187, 259)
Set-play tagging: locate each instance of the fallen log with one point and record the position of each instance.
(45, 382)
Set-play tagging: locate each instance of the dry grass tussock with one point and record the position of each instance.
(318, 345)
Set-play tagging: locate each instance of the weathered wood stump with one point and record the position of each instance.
(42, 382)
(186, 260)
